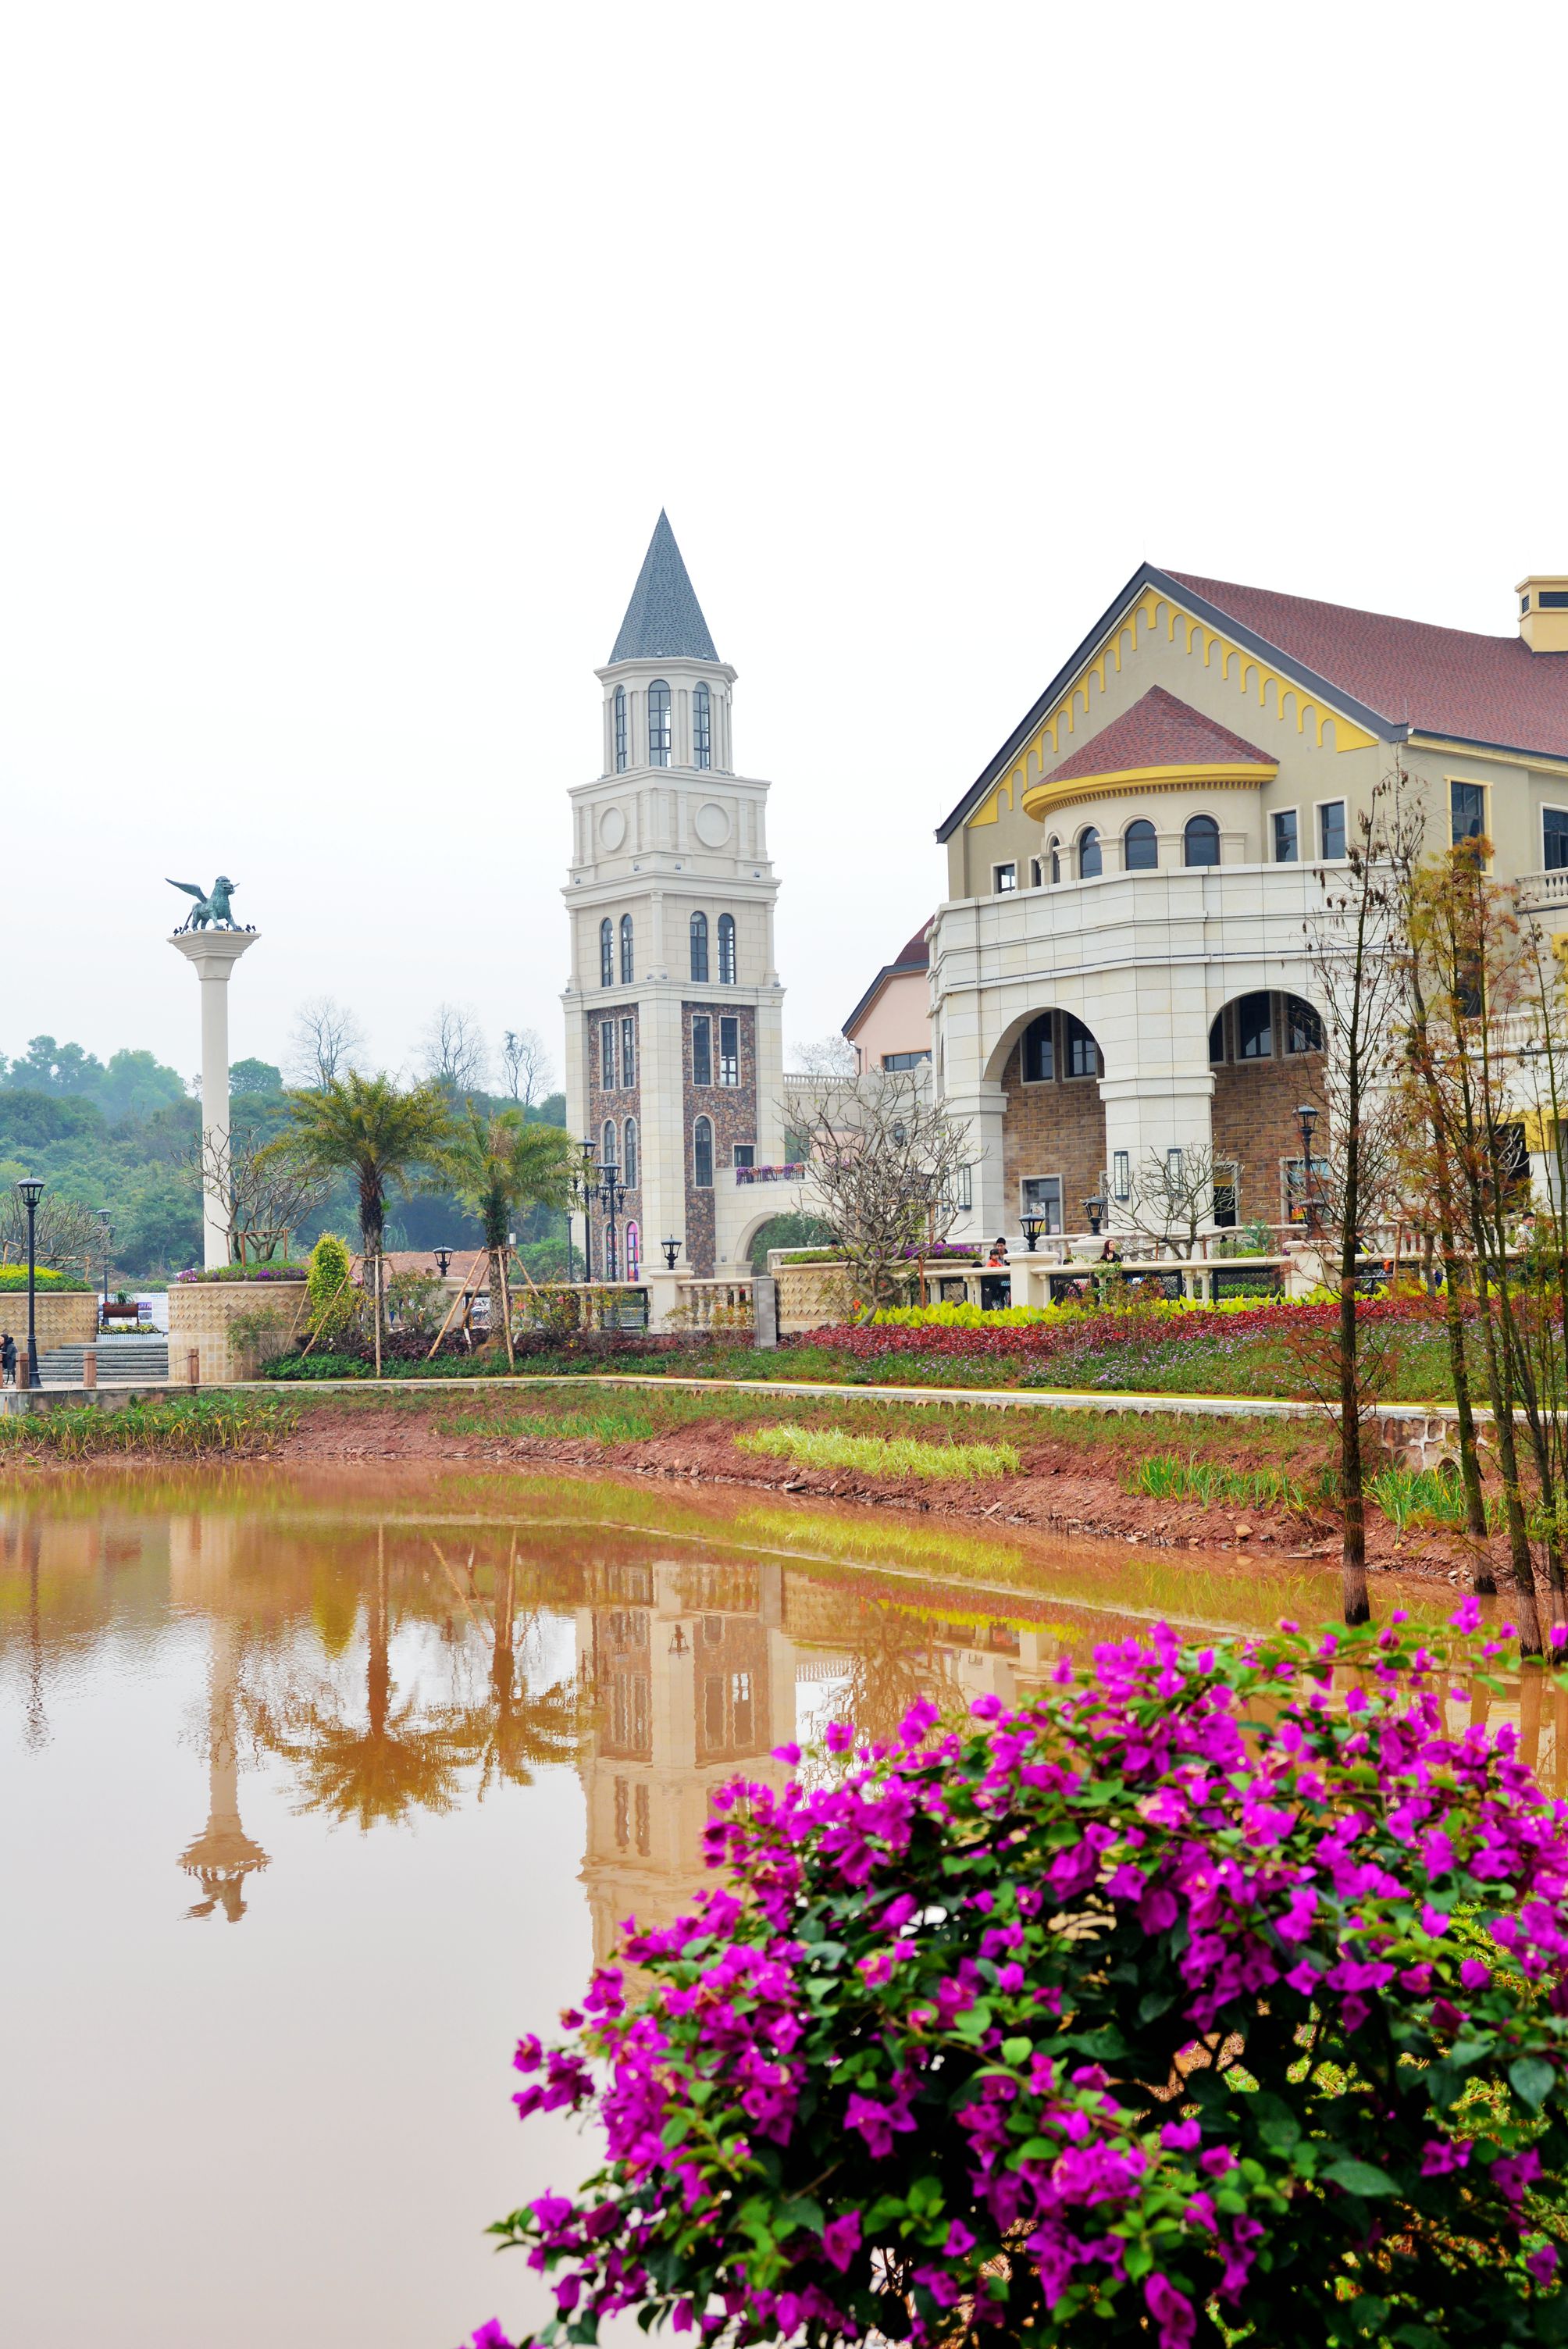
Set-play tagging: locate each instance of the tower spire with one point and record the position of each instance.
(663, 619)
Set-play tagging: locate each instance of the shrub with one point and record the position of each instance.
(334, 1302)
(881, 1455)
(1199, 1998)
(13, 1277)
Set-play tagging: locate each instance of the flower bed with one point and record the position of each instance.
(13, 1278)
(1047, 1332)
(245, 1272)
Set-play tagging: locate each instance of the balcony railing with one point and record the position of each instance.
(1544, 889)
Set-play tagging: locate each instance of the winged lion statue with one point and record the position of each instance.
(212, 907)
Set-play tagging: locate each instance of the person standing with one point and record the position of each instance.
(8, 1359)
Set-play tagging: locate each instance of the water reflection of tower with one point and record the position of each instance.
(222, 1856)
(693, 1680)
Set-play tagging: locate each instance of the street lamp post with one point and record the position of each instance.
(102, 1214)
(584, 1183)
(30, 1190)
(443, 1257)
(613, 1191)
(1306, 1118)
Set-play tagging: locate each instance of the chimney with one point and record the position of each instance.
(1543, 612)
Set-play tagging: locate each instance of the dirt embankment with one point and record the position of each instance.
(1060, 1487)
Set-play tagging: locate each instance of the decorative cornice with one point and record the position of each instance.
(1042, 798)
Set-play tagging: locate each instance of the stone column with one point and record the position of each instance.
(1167, 1110)
(212, 955)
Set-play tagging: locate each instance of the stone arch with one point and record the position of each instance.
(1264, 1064)
(1048, 1064)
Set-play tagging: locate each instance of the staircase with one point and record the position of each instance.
(121, 1362)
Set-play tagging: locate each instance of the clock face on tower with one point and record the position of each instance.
(711, 824)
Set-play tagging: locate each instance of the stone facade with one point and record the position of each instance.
(1054, 1127)
(201, 1319)
(615, 1105)
(61, 1317)
(1255, 1102)
(730, 1110)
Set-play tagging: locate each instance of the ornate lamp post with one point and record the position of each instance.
(1306, 1118)
(30, 1190)
(443, 1257)
(585, 1185)
(672, 1249)
(613, 1191)
(1032, 1226)
(1094, 1209)
(102, 1215)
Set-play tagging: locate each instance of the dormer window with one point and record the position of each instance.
(620, 730)
(702, 728)
(658, 723)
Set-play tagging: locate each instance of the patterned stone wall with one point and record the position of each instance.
(618, 1102)
(1054, 1128)
(60, 1316)
(733, 1111)
(201, 1316)
(1255, 1103)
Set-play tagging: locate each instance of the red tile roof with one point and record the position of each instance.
(1439, 681)
(1159, 731)
(916, 955)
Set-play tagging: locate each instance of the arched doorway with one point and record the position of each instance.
(1265, 1049)
(1053, 1125)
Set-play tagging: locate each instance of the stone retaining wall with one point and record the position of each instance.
(201, 1319)
(62, 1317)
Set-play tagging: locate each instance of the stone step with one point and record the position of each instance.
(121, 1362)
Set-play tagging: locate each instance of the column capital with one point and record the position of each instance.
(213, 953)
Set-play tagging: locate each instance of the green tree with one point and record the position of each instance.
(498, 1165)
(254, 1077)
(382, 1134)
(331, 1302)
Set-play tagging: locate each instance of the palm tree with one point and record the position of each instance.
(498, 1162)
(373, 1129)
(514, 1730)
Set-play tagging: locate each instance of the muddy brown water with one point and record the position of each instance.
(317, 1790)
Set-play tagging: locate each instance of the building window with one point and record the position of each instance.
(1254, 1028)
(1041, 1194)
(620, 730)
(1089, 853)
(699, 947)
(1200, 841)
(1037, 873)
(1003, 877)
(730, 1052)
(898, 1061)
(1302, 1028)
(1227, 1195)
(702, 1051)
(726, 949)
(628, 955)
(743, 1154)
(628, 1052)
(606, 953)
(607, 1056)
(1039, 1051)
(961, 1189)
(609, 1157)
(1331, 831)
(1054, 852)
(702, 1155)
(634, 1255)
(629, 1159)
(1082, 1051)
(702, 727)
(1217, 1040)
(1141, 847)
(1467, 811)
(1286, 842)
(1554, 838)
(658, 723)
(1121, 1176)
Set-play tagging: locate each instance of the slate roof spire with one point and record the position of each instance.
(663, 619)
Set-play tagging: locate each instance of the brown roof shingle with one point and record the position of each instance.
(1159, 731)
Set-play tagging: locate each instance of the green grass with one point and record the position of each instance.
(206, 1423)
(1165, 1478)
(880, 1456)
(1423, 1497)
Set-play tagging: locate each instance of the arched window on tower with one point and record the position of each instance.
(1089, 853)
(699, 947)
(658, 723)
(702, 727)
(1200, 841)
(702, 1155)
(629, 1155)
(1054, 859)
(606, 953)
(620, 730)
(609, 1139)
(726, 949)
(628, 955)
(1140, 848)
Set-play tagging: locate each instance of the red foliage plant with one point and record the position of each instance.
(1215, 1992)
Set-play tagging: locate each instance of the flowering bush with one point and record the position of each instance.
(246, 1272)
(1220, 1991)
(1048, 1333)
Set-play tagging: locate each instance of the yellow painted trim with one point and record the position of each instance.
(1500, 758)
(1156, 615)
(1043, 797)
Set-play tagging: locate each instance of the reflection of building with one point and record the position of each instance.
(693, 1680)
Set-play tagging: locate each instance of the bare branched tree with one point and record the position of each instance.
(830, 1056)
(1171, 1197)
(527, 1071)
(68, 1236)
(324, 1041)
(884, 1171)
(454, 1053)
(268, 1190)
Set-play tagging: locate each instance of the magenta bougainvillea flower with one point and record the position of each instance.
(1219, 1990)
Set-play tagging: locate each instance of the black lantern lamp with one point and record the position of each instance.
(30, 1190)
(1032, 1227)
(672, 1249)
(443, 1257)
(1094, 1209)
(1306, 1118)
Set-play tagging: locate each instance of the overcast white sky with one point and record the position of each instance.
(347, 354)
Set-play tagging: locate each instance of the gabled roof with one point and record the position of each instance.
(1159, 731)
(1392, 676)
(663, 619)
(913, 958)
